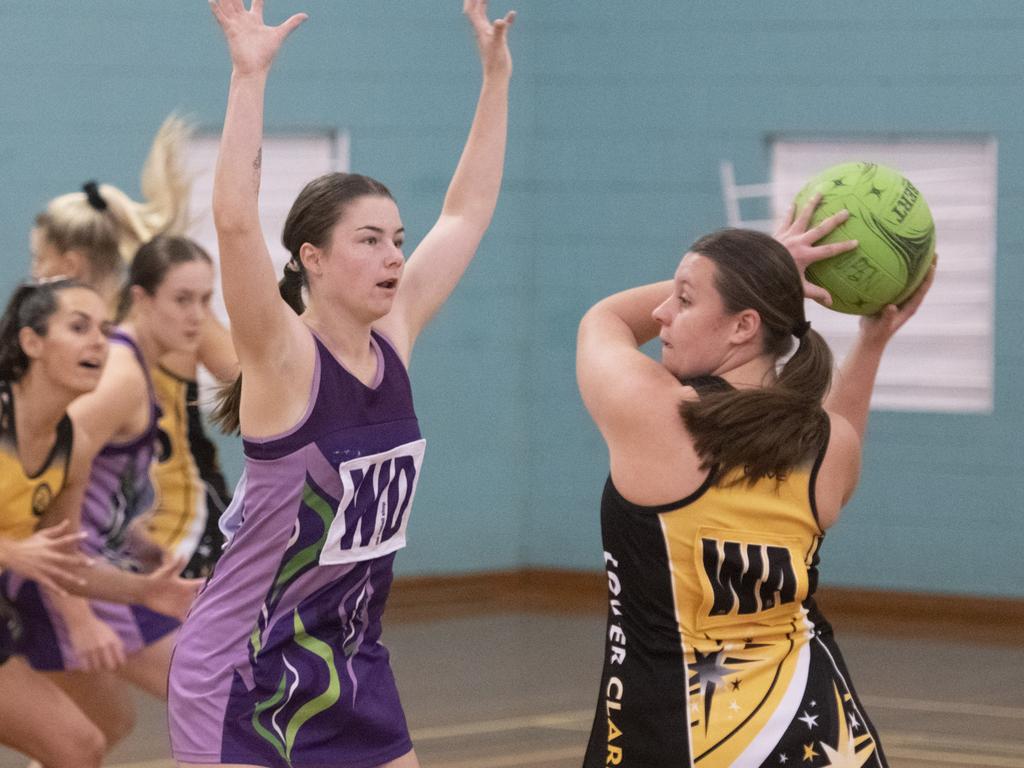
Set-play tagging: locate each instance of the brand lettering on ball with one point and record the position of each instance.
(906, 201)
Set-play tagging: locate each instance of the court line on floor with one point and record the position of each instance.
(948, 707)
(908, 739)
(540, 757)
(562, 720)
(954, 758)
(550, 720)
(575, 717)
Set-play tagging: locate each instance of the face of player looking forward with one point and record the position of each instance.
(360, 270)
(695, 327)
(74, 349)
(173, 315)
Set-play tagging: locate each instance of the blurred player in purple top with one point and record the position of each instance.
(278, 663)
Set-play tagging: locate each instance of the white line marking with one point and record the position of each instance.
(951, 707)
(523, 758)
(937, 741)
(552, 720)
(955, 758)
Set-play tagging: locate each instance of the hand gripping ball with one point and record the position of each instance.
(893, 226)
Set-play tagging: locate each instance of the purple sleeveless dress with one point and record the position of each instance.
(279, 662)
(119, 490)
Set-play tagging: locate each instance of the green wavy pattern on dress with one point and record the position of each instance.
(299, 560)
(262, 707)
(307, 555)
(325, 700)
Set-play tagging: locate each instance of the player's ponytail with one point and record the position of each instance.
(229, 399)
(106, 226)
(767, 431)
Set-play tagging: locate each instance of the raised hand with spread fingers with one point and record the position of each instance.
(252, 43)
(800, 239)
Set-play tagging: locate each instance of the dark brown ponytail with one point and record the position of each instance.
(229, 397)
(764, 432)
(319, 206)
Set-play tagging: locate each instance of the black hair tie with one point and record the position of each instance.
(92, 192)
(800, 329)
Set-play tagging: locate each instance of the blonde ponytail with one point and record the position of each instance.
(108, 230)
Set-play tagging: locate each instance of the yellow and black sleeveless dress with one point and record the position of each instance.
(191, 489)
(715, 653)
(24, 497)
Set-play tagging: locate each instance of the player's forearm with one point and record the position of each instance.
(473, 191)
(236, 181)
(103, 581)
(853, 383)
(632, 309)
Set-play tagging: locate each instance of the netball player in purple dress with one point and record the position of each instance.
(278, 663)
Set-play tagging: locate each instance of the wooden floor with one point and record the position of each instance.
(497, 684)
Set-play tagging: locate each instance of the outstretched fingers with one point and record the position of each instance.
(787, 222)
(817, 293)
(501, 25)
(826, 226)
(803, 221)
(910, 306)
(292, 24)
(476, 12)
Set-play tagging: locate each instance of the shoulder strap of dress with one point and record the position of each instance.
(812, 481)
(120, 337)
(6, 409)
(65, 444)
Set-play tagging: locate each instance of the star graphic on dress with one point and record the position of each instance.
(811, 720)
(848, 757)
(707, 669)
(735, 684)
(734, 706)
(709, 673)
(854, 722)
(809, 753)
(783, 758)
(850, 751)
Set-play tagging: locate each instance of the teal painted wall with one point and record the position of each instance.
(620, 116)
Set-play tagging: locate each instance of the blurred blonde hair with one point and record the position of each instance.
(109, 238)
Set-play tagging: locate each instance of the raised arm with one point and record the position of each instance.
(439, 261)
(850, 396)
(216, 350)
(613, 374)
(261, 323)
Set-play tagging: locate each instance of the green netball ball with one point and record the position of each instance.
(893, 226)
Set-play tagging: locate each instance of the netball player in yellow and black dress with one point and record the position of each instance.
(52, 348)
(192, 491)
(35, 454)
(726, 470)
